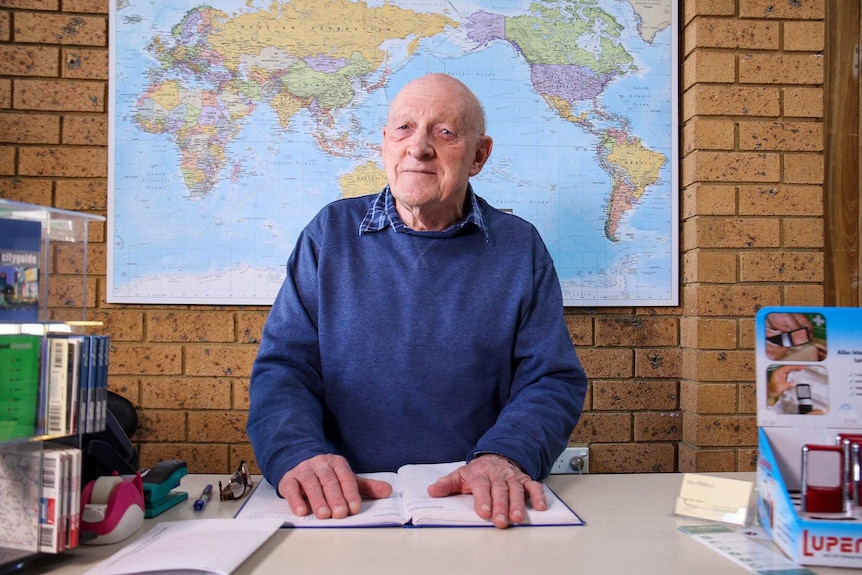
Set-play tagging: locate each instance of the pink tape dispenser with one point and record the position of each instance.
(112, 507)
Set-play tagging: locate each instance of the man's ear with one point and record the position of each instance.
(483, 152)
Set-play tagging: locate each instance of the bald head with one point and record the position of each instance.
(456, 92)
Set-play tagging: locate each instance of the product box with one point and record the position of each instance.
(809, 390)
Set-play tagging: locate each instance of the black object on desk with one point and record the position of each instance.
(158, 482)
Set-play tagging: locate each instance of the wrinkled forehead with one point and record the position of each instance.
(438, 98)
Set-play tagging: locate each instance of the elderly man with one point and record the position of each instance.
(419, 325)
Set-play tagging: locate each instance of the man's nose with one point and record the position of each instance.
(420, 145)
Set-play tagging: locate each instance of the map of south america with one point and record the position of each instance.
(274, 93)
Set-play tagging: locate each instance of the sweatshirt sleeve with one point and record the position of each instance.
(285, 419)
(549, 384)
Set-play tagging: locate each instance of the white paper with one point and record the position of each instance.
(215, 546)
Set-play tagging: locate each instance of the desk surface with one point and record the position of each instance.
(630, 529)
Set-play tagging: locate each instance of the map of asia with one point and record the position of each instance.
(233, 122)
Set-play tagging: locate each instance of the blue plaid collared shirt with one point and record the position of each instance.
(382, 214)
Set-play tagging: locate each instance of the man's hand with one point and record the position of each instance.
(327, 486)
(499, 487)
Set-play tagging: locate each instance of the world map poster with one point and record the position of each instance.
(233, 122)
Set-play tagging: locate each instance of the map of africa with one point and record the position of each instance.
(233, 122)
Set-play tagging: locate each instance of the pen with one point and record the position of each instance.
(202, 500)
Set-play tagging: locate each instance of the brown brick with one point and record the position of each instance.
(30, 128)
(59, 95)
(781, 266)
(89, 130)
(5, 27)
(658, 426)
(127, 386)
(220, 427)
(241, 397)
(703, 166)
(243, 452)
(722, 232)
(720, 100)
(695, 460)
(802, 101)
(29, 60)
(788, 68)
(719, 430)
(33, 4)
(5, 93)
(580, 328)
(85, 64)
(733, 300)
(702, 199)
(803, 295)
(200, 458)
(190, 327)
(693, 8)
(249, 325)
(781, 200)
(731, 34)
(634, 395)
(605, 427)
(119, 325)
(708, 134)
(747, 398)
(708, 333)
(82, 195)
(233, 361)
(68, 29)
(133, 359)
(709, 266)
(72, 292)
(7, 160)
(637, 331)
(789, 136)
(708, 398)
(89, 6)
(186, 393)
(26, 190)
(803, 168)
(746, 332)
(89, 162)
(718, 366)
(161, 425)
(69, 258)
(659, 362)
(632, 457)
(783, 9)
(607, 363)
(803, 233)
(806, 36)
(710, 66)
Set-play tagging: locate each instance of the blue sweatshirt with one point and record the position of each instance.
(390, 346)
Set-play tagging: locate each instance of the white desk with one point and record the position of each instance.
(630, 529)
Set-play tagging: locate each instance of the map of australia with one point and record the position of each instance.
(235, 122)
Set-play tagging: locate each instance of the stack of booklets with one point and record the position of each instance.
(40, 499)
(53, 384)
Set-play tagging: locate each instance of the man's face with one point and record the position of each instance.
(432, 145)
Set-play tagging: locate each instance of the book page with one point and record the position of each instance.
(459, 509)
(264, 503)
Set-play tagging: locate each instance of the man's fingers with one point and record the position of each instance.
(536, 493)
(374, 488)
(292, 493)
(447, 485)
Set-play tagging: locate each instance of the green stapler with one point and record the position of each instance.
(158, 482)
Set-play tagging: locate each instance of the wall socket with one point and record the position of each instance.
(572, 460)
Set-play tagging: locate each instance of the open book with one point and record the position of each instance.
(409, 504)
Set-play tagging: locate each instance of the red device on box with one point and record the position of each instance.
(824, 487)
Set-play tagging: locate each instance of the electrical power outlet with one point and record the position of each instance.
(572, 460)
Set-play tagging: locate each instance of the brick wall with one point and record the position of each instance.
(671, 388)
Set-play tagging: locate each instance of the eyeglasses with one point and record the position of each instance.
(238, 485)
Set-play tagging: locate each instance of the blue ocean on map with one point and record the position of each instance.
(230, 245)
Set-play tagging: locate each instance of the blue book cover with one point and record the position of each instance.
(20, 250)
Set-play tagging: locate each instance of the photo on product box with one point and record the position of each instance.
(797, 389)
(795, 336)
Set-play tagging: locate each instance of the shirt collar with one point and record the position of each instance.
(382, 214)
